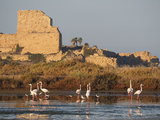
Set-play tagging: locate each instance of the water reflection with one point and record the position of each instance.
(105, 99)
(83, 107)
(69, 106)
(32, 116)
(88, 111)
(134, 109)
(138, 111)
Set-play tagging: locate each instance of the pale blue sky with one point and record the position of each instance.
(118, 25)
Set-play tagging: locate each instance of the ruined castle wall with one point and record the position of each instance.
(8, 42)
(138, 58)
(33, 21)
(34, 34)
(144, 55)
(43, 43)
(101, 60)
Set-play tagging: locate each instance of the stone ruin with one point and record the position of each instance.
(108, 58)
(35, 34)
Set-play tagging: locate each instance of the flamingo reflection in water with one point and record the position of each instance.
(134, 111)
(35, 106)
(88, 111)
(32, 116)
(138, 111)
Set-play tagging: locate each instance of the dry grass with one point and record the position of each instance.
(67, 75)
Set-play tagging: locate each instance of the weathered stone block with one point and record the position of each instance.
(34, 34)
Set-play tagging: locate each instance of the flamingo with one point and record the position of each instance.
(82, 97)
(130, 89)
(138, 92)
(26, 95)
(32, 93)
(43, 89)
(78, 91)
(36, 90)
(70, 96)
(97, 96)
(88, 90)
(97, 102)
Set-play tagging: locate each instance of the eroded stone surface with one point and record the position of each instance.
(34, 34)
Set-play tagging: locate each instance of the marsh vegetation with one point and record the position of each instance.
(68, 74)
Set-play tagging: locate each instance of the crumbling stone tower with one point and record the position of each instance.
(35, 34)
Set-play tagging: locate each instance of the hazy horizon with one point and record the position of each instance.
(118, 25)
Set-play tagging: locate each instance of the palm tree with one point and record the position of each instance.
(86, 45)
(74, 41)
(80, 40)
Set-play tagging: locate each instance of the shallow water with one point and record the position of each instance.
(65, 105)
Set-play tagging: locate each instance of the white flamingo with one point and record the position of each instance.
(78, 91)
(130, 89)
(36, 90)
(97, 102)
(138, 92)
(82, 97)
(97, 96)
(44, 90)
(88, 90)
(32, 93)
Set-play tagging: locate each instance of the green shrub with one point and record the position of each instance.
(36, 58)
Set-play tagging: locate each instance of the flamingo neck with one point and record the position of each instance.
(41, 86)
(141, 88)
(130, 84)
(37, 87)
(30, 87)
(89, 88)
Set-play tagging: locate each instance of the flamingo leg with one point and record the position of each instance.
(36, 97)
(138, 97)
(129, 95)
(32, 97)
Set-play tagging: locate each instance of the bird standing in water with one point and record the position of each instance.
(130, 89)
(138, 92)
(78, 91)
(44, 90)
(32, 93)
(88, 90)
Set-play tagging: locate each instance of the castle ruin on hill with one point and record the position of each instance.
(34, 35)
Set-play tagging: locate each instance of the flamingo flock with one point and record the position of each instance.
(88, 92)
(82, 97)
(35, 93)
(130, 90)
